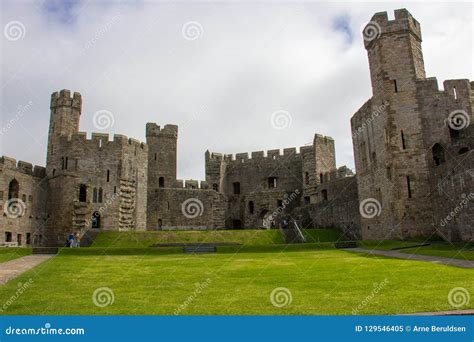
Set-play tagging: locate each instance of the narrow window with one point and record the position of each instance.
(455, 93)
(23, 198)
(236, 187)
(403, 140)
(168, 204)
(409, 186)
(161, 182)
(18, 239)
(438, 154)
(100, 195)
(54, 172)
(272, 182)
(321, 178)
(94, 195)
(8, 237)
(28, 238)
(13, 189)
(108, 175)
(395, 87)
(82, 193)
(155, 156)
(306, 178)
(115, 189)
(251, 207)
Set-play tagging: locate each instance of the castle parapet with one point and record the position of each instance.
(23, 167)
(63, 98)
(153, 130)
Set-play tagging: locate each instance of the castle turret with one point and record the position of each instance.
(64, 121)
(162, 155)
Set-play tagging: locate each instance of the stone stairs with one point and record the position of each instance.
(44, 250)
(200, 249)
(345, 244)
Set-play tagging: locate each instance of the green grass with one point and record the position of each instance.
(322, 235)
(147, 239)
(321, 282)
(10, 253)
(457, 251)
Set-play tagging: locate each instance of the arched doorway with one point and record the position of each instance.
(96, 220)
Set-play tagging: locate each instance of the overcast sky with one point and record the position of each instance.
(218, 70)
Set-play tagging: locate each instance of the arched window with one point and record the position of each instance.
(161, 182)
(94, 195)
(100, 195)
(13, 189)
(251, 207)
(215, 187)
(96, 220)
(438, 154)
(82, 193)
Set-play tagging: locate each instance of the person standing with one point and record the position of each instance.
(71, 239)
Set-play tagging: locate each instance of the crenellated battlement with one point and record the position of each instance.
(191, 184)
(379, 25)
(102, 140)
(22, 166)
(63, 98)
(458, 89)
(153, 130)
(291, 152)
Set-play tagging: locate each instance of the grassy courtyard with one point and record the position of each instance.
(10, 253)
(321, 281)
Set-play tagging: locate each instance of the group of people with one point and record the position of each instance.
(73, 240)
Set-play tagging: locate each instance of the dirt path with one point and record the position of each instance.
(13, 268)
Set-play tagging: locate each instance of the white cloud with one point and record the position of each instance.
(221, 89)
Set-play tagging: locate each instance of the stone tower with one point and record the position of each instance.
(388, 142)
(162, 155)
(64, 121)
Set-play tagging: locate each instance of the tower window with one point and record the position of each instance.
(409, 186)
(321, 178)
(236, 187)
(324, 193)
(94, 195)
(13, 189)
(404, 146)
(100, 195)
(251, 207)
(82, 193)
(108, 175)
(272, 182)
(306, 178)
(155, 156)
(161, 182)
(395, 86)
(438, 154)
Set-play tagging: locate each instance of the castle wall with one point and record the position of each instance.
(24, 215)
(186, 209)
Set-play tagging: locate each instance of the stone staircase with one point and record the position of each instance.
(345, 244)
(194, 249)
(44, 250)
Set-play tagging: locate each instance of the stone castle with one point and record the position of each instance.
(413, 149)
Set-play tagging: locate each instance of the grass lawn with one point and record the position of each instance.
(10, 253)
(320, 281)
(147, 239)
(457, 250)
(322, 235)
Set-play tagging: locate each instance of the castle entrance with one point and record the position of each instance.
(265, 219)
(96, 220)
